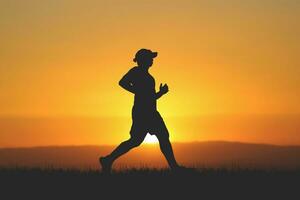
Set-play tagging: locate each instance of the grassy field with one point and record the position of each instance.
(202, 183)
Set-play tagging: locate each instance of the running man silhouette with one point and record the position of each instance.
(145, 117)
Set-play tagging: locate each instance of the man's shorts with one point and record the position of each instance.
(148, 122)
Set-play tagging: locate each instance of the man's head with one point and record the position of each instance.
(144, 57)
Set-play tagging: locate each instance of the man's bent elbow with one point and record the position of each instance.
(121, 83)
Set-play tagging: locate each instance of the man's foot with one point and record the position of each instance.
(180, 169)
(105, 164)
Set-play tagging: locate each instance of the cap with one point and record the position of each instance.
(144, 53)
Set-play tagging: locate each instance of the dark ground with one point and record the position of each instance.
(24, 183)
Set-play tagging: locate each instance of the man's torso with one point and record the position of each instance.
(145, 95)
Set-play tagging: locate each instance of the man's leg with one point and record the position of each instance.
(162, 134)
(123, 148)
(166, 149)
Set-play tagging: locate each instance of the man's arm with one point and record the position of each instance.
(126, 82)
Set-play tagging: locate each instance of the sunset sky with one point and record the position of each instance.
(236, 62)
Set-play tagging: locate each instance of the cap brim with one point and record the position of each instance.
(154, 54)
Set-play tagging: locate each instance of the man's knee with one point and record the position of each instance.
(164, 137)
(134, 142)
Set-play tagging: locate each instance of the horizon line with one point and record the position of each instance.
(147, 144)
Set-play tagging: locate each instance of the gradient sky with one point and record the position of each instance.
(65, 57)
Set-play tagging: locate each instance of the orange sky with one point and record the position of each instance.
(65, 58)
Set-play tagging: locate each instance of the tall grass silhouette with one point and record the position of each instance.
(206, 183)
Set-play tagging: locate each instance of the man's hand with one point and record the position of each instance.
(163, 89)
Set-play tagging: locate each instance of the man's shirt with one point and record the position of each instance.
(144, 88)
